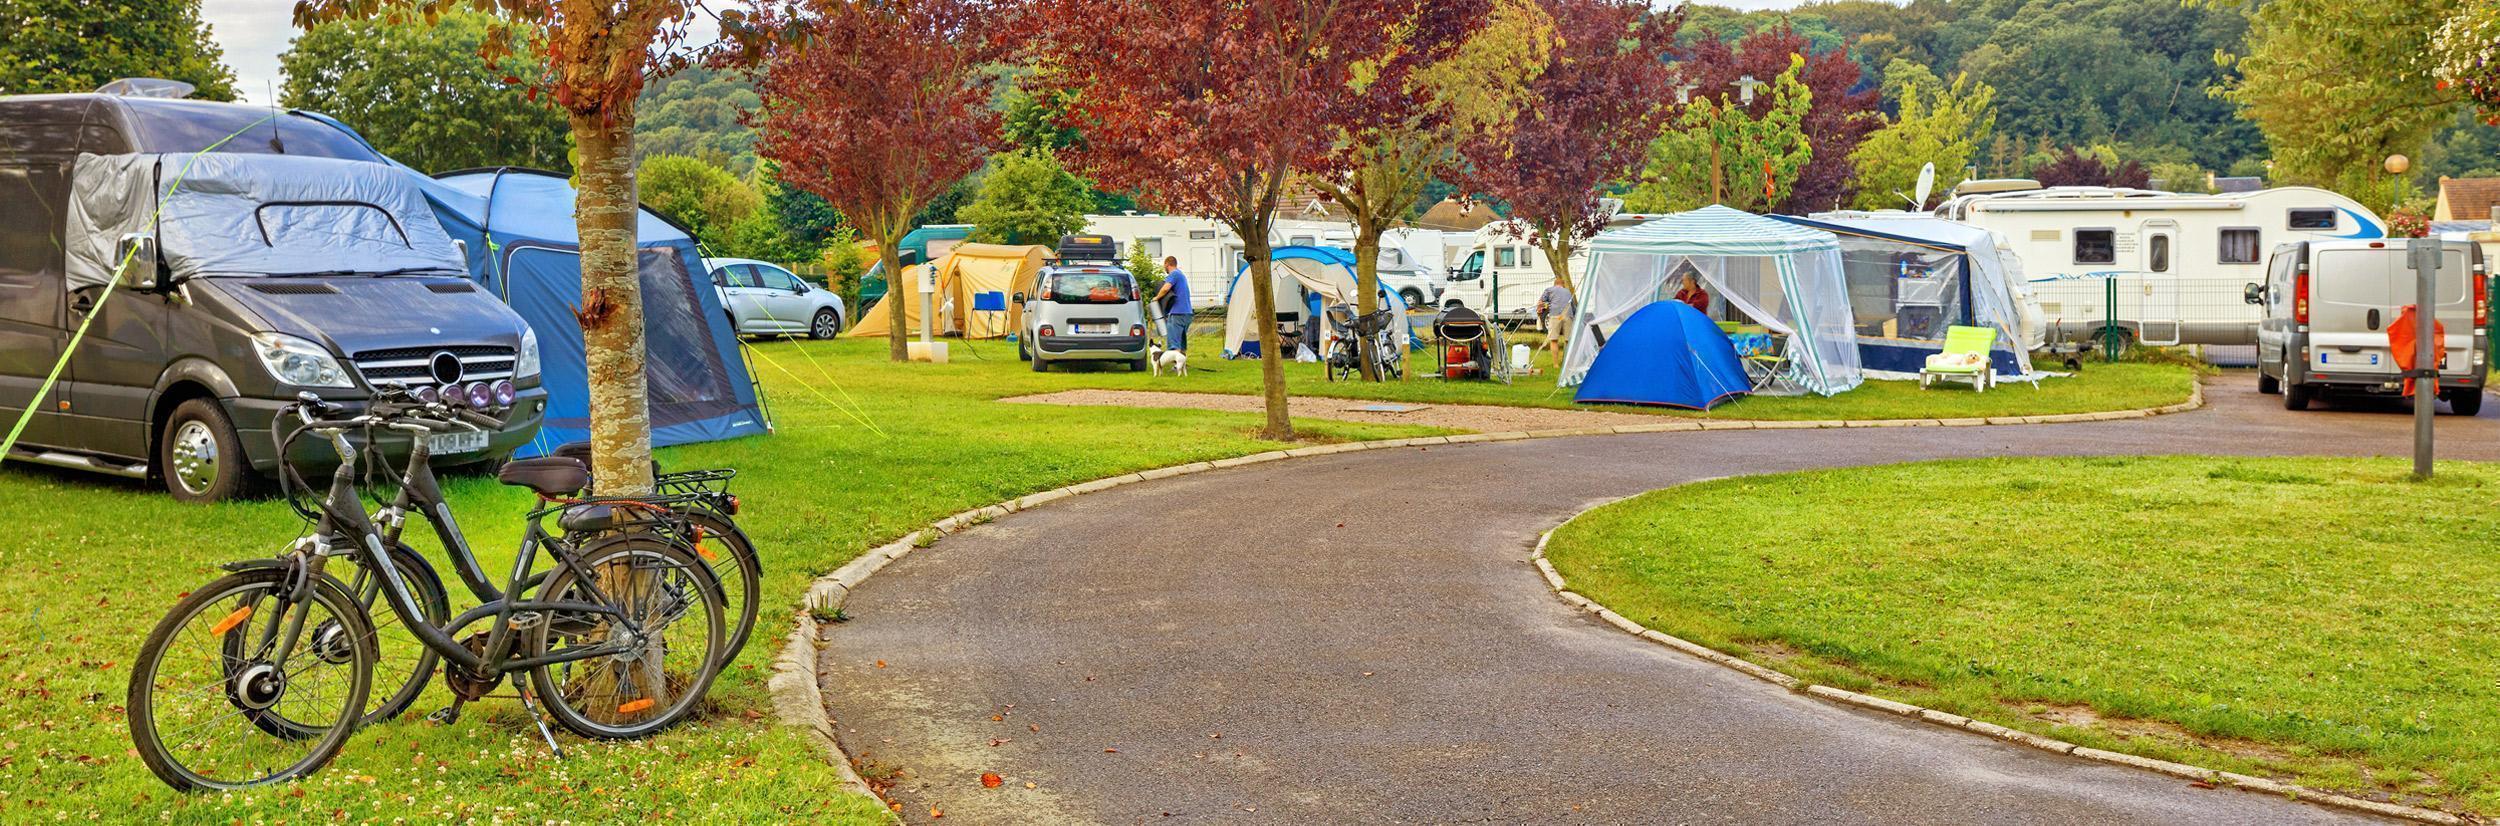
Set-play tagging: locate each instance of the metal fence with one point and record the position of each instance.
(2152, 309)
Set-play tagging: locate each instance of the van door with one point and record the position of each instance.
(34, 181)
(2352, 299)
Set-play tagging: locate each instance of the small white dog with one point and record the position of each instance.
(1173, 360)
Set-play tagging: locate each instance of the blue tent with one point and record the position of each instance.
(523, 246)
(1666, 354)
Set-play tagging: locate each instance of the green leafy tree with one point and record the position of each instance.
(1715, 152)
(1937, 123)
(2338, 86)
(695, 113)
(78, 45)
(424, 94)
(1027, 198)
(1378, 169)
(1143, 267)
(705, 198)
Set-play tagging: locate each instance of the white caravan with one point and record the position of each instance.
(1211, 254)
(2176, 262)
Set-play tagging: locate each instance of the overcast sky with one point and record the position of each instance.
(255, 32)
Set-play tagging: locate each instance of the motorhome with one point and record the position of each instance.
(1502, 271)
(1212, 255)
(2173, 263)
(307, 264)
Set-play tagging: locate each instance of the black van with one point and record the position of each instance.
(292, 258)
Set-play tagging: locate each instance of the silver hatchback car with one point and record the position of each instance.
(765, 300)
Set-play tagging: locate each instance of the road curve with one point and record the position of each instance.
(1360, 638)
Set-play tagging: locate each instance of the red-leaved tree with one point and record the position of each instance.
(1838, 119)
(878, 107)
(2073, 167)
(598, 54)
(1588, 120)
(1209, 108)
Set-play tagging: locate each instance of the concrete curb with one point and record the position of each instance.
(797, 689)
(2198, 774)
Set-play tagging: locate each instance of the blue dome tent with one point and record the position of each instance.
(1666, 354)
(524, 247)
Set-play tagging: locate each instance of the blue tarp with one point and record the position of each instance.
(1666, 354)
(523, 246)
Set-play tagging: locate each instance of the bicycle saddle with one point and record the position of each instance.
(548, 475)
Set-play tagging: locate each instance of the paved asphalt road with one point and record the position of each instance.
(1360, 638)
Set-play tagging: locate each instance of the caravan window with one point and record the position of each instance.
(1303, 241)
(1154, 248)
(2313, 219)
(1505, 256)
(2157, 257)
(1202, 235)
(2096, 246)
(2239, 245)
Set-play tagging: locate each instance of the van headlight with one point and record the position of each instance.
(525, 364)
(298, 362)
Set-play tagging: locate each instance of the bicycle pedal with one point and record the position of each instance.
(447, 715)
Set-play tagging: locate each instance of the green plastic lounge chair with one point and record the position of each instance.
(1965, 358)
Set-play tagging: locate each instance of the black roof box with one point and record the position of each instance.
(1074, 248)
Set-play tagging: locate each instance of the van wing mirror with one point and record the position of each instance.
(136, 255)
(1019, 298)
(2253, 293)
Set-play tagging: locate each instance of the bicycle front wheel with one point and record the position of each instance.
(219, 664)
(669, 617)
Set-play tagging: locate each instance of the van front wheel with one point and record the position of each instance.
(201, 457)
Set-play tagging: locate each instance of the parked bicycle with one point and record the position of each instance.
(1345, 351)
(703, 513)
(262, 675)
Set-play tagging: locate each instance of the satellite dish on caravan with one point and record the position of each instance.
(1926, 185)
(147, 87)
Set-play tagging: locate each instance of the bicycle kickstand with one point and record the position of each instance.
(541, 721)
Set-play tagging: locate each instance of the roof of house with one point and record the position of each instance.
(2468, 199)
(2239, 184)
(1451, 214)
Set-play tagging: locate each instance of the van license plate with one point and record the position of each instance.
(441, 444)
(2349, 359)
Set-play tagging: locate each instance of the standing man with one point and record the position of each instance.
(1554, 307)
(1173, 299)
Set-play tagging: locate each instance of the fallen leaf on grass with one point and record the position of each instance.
(990, 780)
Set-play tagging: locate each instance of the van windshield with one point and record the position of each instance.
(168, 128)
(1105, 287)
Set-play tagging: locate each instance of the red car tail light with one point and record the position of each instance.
(1048, 332)
(2300, 296)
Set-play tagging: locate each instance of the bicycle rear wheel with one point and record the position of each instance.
(196, 709)
(670, 604)
(732, 557)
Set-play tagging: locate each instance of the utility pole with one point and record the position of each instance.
(2423, 255)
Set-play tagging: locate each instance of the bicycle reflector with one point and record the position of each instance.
(643, 704)
(231, 620)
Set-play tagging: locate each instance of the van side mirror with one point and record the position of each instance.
(2253, 293)
(136, 254)
(1019, 298)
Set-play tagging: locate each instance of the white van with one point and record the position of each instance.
(1502, 274)
(2326, 308)
(2176, 260)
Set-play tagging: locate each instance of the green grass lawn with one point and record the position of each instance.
(2320, 619)
(2099, 387)
(93, 563)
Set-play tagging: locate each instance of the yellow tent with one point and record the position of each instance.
(962, 276)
